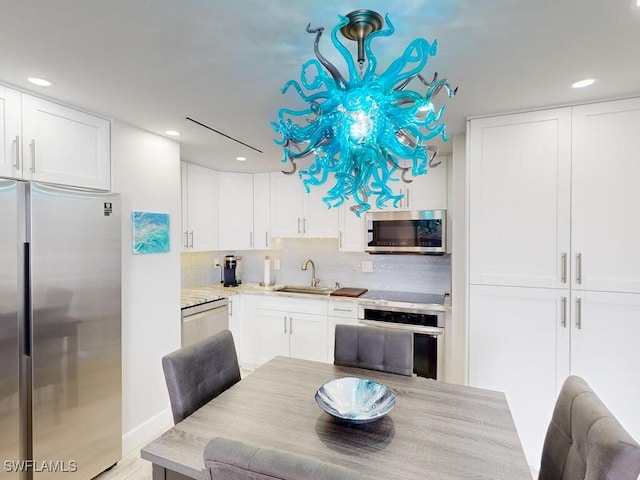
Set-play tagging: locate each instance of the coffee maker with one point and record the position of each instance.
(231, 271)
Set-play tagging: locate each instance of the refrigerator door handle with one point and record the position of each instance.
(26, 316)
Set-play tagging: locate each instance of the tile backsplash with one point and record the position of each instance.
(410, 273)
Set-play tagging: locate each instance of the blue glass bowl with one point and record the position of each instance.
(355, 400)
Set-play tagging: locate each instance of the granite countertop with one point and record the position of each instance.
(206, 293)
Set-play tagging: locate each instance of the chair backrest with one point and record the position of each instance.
(585, 441)
(226, 459)
(200, 372)
(384, 349)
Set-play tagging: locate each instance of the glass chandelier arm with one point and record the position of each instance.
(417, 53)
(354, 78)
(337, 76)
(372, 61)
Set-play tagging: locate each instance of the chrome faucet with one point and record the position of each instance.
(314, 280)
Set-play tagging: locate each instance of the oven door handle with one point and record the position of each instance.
(403, 326)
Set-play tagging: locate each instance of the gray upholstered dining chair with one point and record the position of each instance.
(375, 348)
(226, 459)
(585, 441)
(200, 372)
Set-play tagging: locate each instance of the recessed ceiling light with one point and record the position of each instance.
(583, 83)
(241, 159)
(172, 133)
(41, 82)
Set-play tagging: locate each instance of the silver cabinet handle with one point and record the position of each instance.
(578, 268)
(17, 162)
(340, 239)
(290, 325)
(563, 312)
(191, 233)
(304, 225)
(230, 314)
(186, 239)
(32, 145)
(338, 309)
(266, 238)
(284, 322)
(564, 268)
(579, 313)
(251, 239)
(408, 201)
(298, 225)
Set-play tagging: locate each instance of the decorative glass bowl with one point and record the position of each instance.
(355, 400)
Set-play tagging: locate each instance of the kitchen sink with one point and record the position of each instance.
(306, 289)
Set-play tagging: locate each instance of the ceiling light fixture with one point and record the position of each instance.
(241, 159)
(362, 129)
(41, 82)
(583, 83)
(173, 133)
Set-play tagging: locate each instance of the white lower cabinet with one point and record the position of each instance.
(339, 313)
(292, 328)
(526, 341)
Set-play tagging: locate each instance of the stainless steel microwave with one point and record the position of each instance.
(417, 231)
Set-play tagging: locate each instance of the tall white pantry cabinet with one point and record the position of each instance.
(554, 259)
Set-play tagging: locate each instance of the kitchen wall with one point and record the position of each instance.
(146, 172)
(410, 273)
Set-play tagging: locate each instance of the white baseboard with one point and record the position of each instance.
(146, 431)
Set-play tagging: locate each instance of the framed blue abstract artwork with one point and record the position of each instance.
(150, 232)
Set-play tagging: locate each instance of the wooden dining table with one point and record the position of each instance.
(436, 430)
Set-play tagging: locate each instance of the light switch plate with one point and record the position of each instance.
(367, 266)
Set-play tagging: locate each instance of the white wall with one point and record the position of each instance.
(146, 172)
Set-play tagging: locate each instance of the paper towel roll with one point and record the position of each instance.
(267, 271)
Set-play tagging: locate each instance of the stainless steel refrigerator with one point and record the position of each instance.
(60, 332)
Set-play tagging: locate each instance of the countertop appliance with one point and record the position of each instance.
(418, 232)
(427, 325)
(204, 319)
(60, 330)
(232, 271)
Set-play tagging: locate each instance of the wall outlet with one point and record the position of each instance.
(216, 262)
(367, 266)
(276, 264)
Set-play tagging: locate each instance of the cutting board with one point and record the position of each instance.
(349, 292)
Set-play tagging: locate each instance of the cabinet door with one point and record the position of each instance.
(606, 197)
(604, 350)
(519, 199)
(65, 146)
(235, 204)
(352, 234)
(427, 192)
(286, 205)
(202, 208)
(10, 130)
(308, 337)
(318, 220)
(519, 344)
(262, 211)
(271, 335)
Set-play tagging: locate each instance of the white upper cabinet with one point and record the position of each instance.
(10, 129)
(262, 211)
(519, 209)
(424, 192)
(352, 234)
(296, 213)
(235, 203)
(606, 197)
(54, 143)
(200, 208)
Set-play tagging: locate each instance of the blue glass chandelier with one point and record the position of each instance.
(364, 129)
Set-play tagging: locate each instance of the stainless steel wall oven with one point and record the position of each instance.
(428, 333)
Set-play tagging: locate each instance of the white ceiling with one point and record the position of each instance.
(151, 63)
